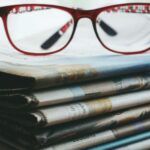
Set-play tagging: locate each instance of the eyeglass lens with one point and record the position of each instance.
(47, 29)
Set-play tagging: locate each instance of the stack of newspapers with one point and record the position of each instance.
(96, 103)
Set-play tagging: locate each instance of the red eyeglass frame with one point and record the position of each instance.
(76, 15)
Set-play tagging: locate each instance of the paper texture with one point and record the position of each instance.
(145, 145)
(55, 115)
(80, 110)
(77, 129)
(103, 137)
(63, 71)
(53, 135)
(84, 91)
(126, 141)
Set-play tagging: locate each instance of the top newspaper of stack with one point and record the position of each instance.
(14, 77)
(63, 71)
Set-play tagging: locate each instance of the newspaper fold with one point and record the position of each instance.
(55, 115)
(125, 141)
(78, 129)
(14, 77)
(75, 92)
(143, 145)
(57, 134)
(70, 112)
(10, 143)
(103, 137)
(26, 140)
(29, 94)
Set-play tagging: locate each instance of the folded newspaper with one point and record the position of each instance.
(72, 103)
(53, 135)
(73, 93)
(103, 137)
(131, 143)
(15, 77)
(50, 116)
(109, 135)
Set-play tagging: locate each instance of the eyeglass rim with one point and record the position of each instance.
(76, 15)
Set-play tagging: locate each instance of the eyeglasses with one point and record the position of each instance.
(39, 29)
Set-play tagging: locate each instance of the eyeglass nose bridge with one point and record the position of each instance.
(85, 14)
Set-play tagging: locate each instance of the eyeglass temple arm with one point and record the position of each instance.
(58, 34)
(107, 28)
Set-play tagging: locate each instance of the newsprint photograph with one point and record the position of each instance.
(74, 74)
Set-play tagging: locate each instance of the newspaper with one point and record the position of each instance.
(55, 115)
(145, 145)
(78, 129)
(53, 135)
(78, 92)
(15, 77)
(9, 142)
(125, 141)
(103, 137)
(80, 110)
(25, 138)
